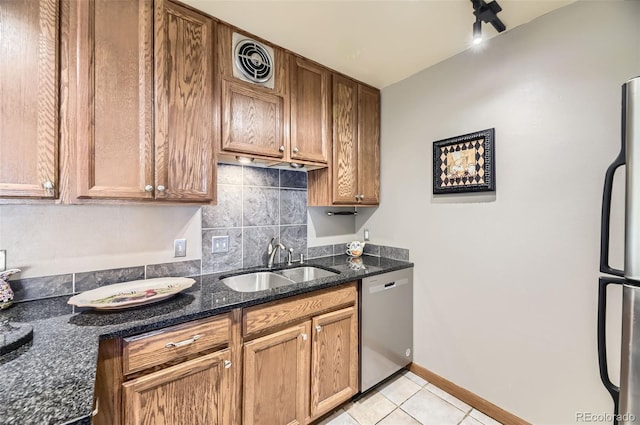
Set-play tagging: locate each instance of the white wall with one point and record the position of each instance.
(44, 240)
(506, 284)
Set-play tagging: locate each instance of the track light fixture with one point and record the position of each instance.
(488, 13)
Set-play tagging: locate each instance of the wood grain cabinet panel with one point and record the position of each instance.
(354, 175)
(29, 32)
(368, 145)
(275, 314)
(253, 121)
(158, 347)
(115, 95)
(276, 371)
(196, 392)
(186, 127)
(334, 360)
(310, 111)
(146, 122)
(345, 137)
(307, 363)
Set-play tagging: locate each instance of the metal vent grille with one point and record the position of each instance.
(253, 61)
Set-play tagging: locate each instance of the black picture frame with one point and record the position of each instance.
(465, 163)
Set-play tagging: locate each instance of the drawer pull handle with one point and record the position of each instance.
(183, 343)
(227, 364)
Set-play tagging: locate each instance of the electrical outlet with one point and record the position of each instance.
(3, 260)
(366, 234)
(220, 244)
(180, 248)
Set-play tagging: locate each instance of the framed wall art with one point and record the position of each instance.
(465, 163)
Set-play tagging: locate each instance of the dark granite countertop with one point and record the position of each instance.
(50, 380)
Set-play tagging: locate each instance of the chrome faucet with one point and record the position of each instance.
(272, 249)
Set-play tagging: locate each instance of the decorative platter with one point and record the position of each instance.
(131, 294)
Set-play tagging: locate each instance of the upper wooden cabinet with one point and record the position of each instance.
(29, 98)
(119, 155)
(354, 175)
(368, 145)
(310, 111)
(114, 95)
(255, 115)
(186, 118)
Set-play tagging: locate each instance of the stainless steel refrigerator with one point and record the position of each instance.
(626, 396)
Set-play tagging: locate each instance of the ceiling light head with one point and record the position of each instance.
(487, 13)
(477, 32)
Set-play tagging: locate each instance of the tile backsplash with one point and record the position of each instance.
(254, 205)
(67, 284)
(394, 253)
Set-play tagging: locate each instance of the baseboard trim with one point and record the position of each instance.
(468, 397)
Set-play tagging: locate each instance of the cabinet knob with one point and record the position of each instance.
(303, 336)
(296, 150)
(161, 188)
(227, 364)
(148, 188)
(281, 148)
(47, 185)
(318, 328)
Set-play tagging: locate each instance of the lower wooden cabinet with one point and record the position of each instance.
(194, 392)
(297, 374)
(334, 360)
(179, 375)
(276, 371)
(285, 362)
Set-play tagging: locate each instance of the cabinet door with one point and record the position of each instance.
(334, 360)
(310, 111)
(185, 117)
(276, 378)
(195, 392)
(253, 121)
(368, 145)
(345, 142)
(115, 80)
(29, 98)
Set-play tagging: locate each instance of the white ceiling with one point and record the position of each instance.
(377, 42)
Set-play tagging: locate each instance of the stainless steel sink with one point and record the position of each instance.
(304, 274)
(261, 281)
(253, 282)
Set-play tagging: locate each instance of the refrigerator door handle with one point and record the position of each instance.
(606, 199)
(602, 338)
(606, 218)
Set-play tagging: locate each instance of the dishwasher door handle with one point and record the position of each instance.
(386, 286)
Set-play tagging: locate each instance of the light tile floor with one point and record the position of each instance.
(408, 399)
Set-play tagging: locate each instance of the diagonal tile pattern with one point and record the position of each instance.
(408, 399)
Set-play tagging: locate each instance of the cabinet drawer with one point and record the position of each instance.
(158, 347)
(262, 317)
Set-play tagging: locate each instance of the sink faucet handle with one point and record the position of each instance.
(289, 255)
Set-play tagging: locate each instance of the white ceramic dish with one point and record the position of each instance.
(131, 294)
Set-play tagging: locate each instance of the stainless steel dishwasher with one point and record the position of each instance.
(386, 320)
